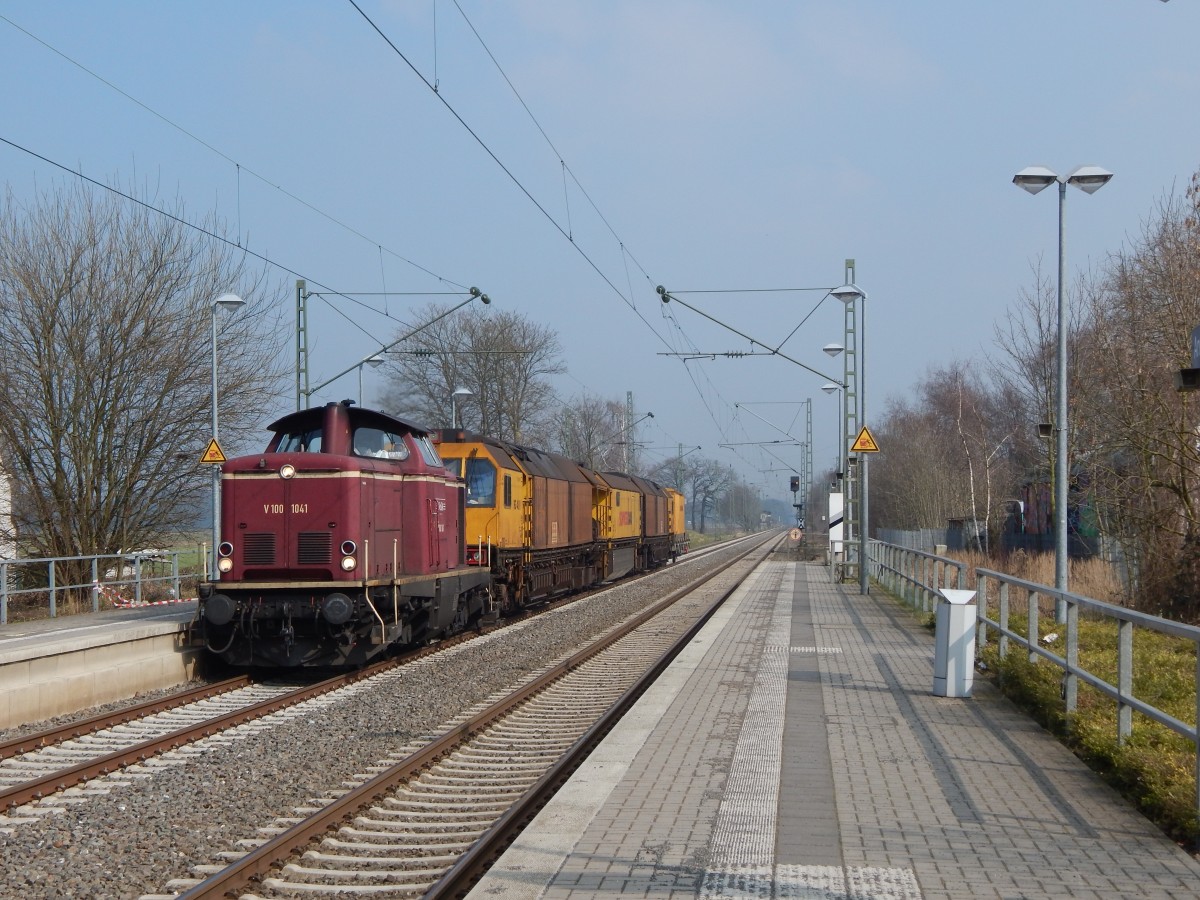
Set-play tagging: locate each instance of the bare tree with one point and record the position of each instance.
(1025, 366)
(502, 358)
(592, 431)
(105, 318)
(739, 505)
(914, 482)
(709, 480)
(1140, 444)
(674, 472)
(945, 449)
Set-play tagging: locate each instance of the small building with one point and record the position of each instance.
(965, 533)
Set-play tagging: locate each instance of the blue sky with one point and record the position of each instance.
(721, 146)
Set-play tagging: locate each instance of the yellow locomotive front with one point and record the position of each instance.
(528, 517)
(496, 495)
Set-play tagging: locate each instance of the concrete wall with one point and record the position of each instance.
(47, 681)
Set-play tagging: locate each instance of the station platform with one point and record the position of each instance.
(54, 667)
(796, 750)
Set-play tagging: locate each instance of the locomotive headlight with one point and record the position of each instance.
(225, 564)
(348, 563)
(287, 470)
(225, 549)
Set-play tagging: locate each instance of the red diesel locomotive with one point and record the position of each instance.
(343, 537)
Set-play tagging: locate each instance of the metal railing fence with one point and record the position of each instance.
(916, 578)
(122, 579)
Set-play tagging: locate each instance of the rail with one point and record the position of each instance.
(118, 578)
(916, 578)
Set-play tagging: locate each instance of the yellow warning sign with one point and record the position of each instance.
(213, 454)
(865, 442)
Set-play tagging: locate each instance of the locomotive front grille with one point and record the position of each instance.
(260, 549)
(314, 548)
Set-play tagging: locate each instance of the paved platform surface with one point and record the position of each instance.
(795, 750)
(47, 637)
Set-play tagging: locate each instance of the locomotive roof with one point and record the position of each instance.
(647, 486)
(537, 462)
(306, 419)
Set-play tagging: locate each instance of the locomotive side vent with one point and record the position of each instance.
(314, 548)
(259, 549)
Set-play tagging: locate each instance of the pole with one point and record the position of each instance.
(864, 587)
(1060, 462)
(216, 468)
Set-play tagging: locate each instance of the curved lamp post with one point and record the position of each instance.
(463, 393)
(374, 362)
(225, 301)
(1088, 179)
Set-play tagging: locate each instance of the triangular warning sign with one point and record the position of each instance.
(213, 454)
(865, 442)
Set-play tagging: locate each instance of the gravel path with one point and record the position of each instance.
(140, 836)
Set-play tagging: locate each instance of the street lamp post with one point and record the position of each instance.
(374, 362)
(833, 350)
(227, 301)
(464, 393)
(837, 515)
(1088, 179)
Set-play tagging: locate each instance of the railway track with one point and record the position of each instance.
(36, 768)
(64, 758)
(430, 822)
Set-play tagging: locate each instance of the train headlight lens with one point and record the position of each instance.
(348, 548)
(225, 549)
(348, 563)
(287, 470)
(225, 564)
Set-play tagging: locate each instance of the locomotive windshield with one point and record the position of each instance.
(380, 443)
(481, 482)
(300, 442)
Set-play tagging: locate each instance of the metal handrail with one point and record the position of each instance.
(105, 573)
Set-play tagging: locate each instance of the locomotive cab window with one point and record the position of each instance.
(379, 443)
(508, 491)
(428, 453)
(481, 483)
(299, 442)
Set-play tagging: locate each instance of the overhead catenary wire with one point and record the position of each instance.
(239, 167)
(699, 379)
(566, 168)
(212, 235)
(507, 171)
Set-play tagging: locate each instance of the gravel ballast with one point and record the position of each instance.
(140, 836)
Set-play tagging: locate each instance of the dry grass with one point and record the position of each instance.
(1093, 578)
